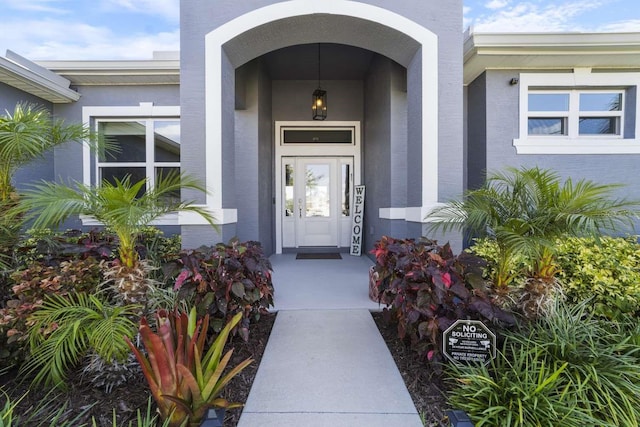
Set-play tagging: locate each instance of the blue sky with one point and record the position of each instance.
(133, 29)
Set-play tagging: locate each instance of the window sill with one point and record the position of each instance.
(577, 146)
(222, 216)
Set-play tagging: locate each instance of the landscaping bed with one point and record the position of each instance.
(83, 398)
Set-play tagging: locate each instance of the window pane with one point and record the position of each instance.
(129, 137)
(600, 102)
(547, 126)
(548, 102)
(167, 141)
(598, 126)
(318, 136)
(164, 172)
(110, 175)
(346, 197)
(288, 190)
(317, 191)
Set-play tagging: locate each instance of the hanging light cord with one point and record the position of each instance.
(319, 87)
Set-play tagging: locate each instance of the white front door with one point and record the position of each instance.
(317, 201)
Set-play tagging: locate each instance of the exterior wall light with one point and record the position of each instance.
(319, 105)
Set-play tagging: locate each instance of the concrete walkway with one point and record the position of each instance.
(321, 283)
(328, 368)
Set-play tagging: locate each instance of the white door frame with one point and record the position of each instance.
(311, 150)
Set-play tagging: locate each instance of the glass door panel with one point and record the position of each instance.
(317, 190)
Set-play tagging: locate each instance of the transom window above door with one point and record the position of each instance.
(316, 135)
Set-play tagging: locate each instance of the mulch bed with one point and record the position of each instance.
(133, 395)
(425, 386)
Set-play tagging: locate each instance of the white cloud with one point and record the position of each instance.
(46, 6)
(630, 26)
(497, 4)
(58, 39)
(465, 20)
(529, 16)
(168, 9)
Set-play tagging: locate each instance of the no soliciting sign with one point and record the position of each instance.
(468, 341)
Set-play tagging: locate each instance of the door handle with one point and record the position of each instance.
(300, 207)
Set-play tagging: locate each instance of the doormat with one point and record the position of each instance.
(319, 255)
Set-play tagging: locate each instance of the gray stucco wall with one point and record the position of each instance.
(377, 149)
(502, 127)
(476, 132)
(292, 99)
(266, 191)
(254, 157)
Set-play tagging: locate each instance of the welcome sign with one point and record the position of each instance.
(356, 224)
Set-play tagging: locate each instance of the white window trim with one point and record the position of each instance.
(144, 111)
(581, 78)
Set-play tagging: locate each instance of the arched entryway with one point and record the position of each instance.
(237, 43)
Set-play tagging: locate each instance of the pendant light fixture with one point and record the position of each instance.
(319, 106)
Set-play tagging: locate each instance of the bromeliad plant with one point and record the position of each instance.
(184, 379)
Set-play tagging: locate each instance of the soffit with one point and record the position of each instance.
(35, 83)
(540, 51)
(117, 73)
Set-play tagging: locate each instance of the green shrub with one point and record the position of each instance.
(52, 247)
(569, 368)
(518, 389)
(606, 270)
(488, 250)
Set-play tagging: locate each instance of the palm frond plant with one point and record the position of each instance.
(66, 328)
(124, 207)
(26, 134)
(525, 211)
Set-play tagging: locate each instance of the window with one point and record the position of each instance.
(147, 148)
(149, 139)
(582, 112)
(574, 113)
(318, 136)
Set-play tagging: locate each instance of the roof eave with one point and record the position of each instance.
(166, 71)
(483, 51)
(24, 79)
